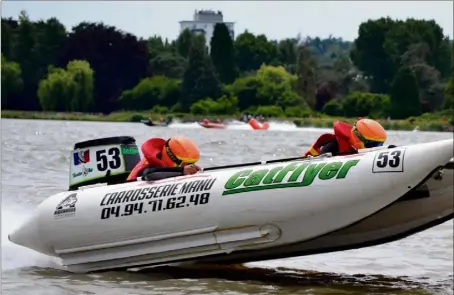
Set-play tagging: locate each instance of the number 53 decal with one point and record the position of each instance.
(389, 161)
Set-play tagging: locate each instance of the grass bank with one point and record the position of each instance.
(426, 122)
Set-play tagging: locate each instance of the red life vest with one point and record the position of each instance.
(341, 134)
(151, 150)
(342, 131)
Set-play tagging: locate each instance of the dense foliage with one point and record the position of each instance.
(394, 68)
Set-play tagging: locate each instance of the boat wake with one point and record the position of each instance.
(14, 256)
(235, 277)
(237, 125)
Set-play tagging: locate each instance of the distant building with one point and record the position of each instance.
(203, 23)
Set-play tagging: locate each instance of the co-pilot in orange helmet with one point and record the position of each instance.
(367, 133)
(180, 151)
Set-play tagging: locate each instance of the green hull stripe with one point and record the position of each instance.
(263, 187)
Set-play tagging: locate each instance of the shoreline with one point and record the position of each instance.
(423, 123)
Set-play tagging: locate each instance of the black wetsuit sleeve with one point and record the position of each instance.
(331, 147)
(157, 173)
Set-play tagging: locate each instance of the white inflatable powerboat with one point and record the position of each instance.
(238, 213)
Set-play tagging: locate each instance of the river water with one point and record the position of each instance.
(35, 161)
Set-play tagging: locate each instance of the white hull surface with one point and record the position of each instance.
(248, 213)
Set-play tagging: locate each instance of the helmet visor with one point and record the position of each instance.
(366, 143)
(175, 159)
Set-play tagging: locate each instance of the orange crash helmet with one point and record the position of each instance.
(180, 151)
(367, 133)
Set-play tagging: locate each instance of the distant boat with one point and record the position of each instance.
(157, 124)
(208, 124)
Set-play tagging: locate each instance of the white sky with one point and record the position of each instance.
(277, 20)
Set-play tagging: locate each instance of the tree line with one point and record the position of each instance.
(396, 68)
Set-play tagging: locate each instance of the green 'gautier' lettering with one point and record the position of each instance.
(269, 177)
(255, 178)
(237, 179)
(284, 172)
(129, 151)
(311, 172)
(250, 180)
(330, 170)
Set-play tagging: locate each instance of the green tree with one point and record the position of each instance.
(200, 42)
(168, 64)
(363, 104)
(36, 45)
(306, 81)
(199, 80)
(333, 108)
(25, 55)
(278, 77)
(271, 86)
(156, 46)
(56, 92)
(405, 95)
(184, 43)
(83, 77)
(119, 60)
(225, 105)
(427, 77)
(151, 92)
(253, 51)
(413, 31)
(11, 81)
(222, 54)
(51, 37)
(288, 54)
(270, 111)
(382, 44)
(276, 87)
(67, 90)
(246, 89)
(325, 51)
(448, 102)
(369, 55)
(9, 28)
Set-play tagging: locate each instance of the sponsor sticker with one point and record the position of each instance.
(85, 172)
(156, 198)
(81, 157)
(290, 175)
(67, 207)
(129, 150)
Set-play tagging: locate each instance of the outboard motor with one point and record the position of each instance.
(104, 160)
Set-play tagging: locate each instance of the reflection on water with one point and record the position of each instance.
(35, 159)
(237, 279)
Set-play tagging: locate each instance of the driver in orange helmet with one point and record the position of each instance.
(365, 133)
(166, 158)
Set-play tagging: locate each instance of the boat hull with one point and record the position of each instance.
(213, 125)
(426, 206)
(258, 126)
(156, 125)
(243, 214)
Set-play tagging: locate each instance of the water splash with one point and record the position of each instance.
(238, 125)
(15, 256)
